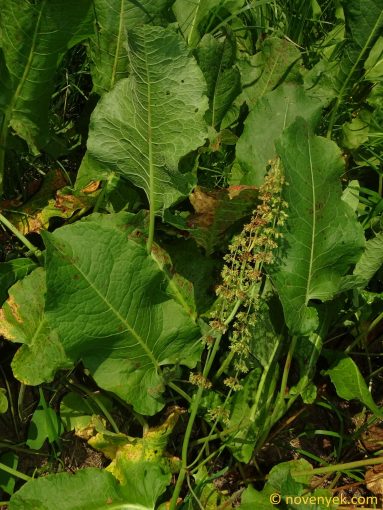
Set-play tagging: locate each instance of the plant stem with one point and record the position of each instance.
(20, 236)
(14, 472)
(340, 467)
(179, 390)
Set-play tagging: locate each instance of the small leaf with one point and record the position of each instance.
(43, 425)
(349, 383)
(3, 401)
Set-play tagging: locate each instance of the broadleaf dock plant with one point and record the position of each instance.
(216, 170)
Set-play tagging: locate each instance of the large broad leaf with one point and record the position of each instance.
(34, 37)
(256, 145)
(277, 60)
(322, 238)
(191, 13)
(106, 297)
(150, 120)
(216, 58)
(90, 489)
(108, 47)
(11, 272)
(22, 320)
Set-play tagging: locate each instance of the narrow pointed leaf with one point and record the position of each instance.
(108, 47)
(150, 120)
(107, 299)
(322, 238)
(216, 58)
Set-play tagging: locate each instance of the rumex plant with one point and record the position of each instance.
(208, 219)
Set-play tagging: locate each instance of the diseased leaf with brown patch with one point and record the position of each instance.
(22, 320)
(217, 211)
(374, 479)
(123, 450)
(35, 214)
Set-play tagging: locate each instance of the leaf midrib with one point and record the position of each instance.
(313, 229)
(111, 307)
(118, 44)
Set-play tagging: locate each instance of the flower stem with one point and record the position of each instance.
(20, 236)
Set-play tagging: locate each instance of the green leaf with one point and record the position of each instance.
(22, 320)
(216, 59)
(3, 401)
(8, 481)
(11, 272)
(364, 22)
(322, 237)
(191, 13)
(89, 489)
(44, 425)
(285, 486)
(33, 61)
(374, 62)
(368, 264)
(108, 48)
(276, 60)
(106, 297)
(349, 383)
(150, 120)
(256, 146)
(78, 413)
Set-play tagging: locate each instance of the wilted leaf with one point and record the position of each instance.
(374, 480)
(217, 211)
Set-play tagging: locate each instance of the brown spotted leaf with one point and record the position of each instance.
(217, 211)
(22, 320)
